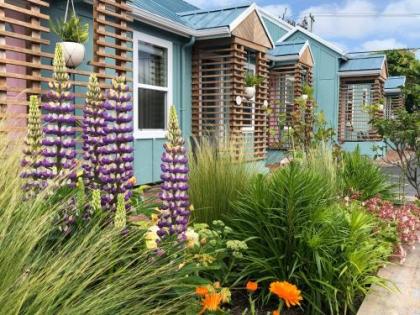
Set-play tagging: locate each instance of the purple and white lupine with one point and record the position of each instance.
(59, 145)
(93, 133)
(174, 212)
(31, 173)
(116, 154)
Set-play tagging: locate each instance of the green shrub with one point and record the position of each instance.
(360, 175)
(217, 176)
(295, 231)
(94, 271)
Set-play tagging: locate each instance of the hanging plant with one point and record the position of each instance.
(73, 34)
(251, 81)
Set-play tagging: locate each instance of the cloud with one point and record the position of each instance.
(382, 44)
(335, 25)
(278, 9)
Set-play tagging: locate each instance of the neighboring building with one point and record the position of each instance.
(174, 53)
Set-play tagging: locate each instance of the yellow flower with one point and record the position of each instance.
(211, 302)
(286, 291)
(151, 237)
(226, 295)
(192, 238)
(252, 286)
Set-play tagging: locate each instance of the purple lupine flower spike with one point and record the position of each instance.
(58, 144)
(33, 179)
(94, 125)
(116, 154)
(174, 213)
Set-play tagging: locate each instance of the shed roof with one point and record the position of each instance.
(204, 19)
(363, 63)
(395, 82)
(287, 49)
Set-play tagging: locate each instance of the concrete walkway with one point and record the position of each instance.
(405, 302)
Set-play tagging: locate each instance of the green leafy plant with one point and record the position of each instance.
(401, 134)
(295, 230)
(253, 80)
(71, 30)
(362, 178)
(217, 176)
(96, 270)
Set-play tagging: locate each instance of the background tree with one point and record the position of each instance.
(404, 62)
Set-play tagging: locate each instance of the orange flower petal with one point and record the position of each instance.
(251, 286)
(286, 291)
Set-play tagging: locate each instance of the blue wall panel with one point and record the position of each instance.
(275, 31)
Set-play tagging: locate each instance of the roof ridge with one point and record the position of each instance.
(199, 11)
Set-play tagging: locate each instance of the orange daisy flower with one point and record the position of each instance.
(276, 312)
(286, 291)
(252, 286)
(211, 302)
(201, 291)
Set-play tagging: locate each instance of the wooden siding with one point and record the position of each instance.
(218, 78)
(252, 30)
(278, 94)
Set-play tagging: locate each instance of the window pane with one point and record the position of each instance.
(153, 64)
(152, 106)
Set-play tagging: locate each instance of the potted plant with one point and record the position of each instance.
(73, 35)
(251, 81)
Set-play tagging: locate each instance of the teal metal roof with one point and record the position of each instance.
(204, 19)
(286, 49)
(363, 63)
(394, 82)
(165, 8)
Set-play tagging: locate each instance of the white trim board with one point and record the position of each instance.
(313, 36)
(151, 133)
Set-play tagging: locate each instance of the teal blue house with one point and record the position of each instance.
(197, 60)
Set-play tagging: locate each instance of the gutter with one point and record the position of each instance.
(183, 75)
(178, 28)
(358, 73)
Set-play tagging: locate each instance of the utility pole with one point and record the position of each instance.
(312, 21)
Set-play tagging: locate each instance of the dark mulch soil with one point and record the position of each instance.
(240, 303)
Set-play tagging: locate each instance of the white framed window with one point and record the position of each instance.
(152, 85)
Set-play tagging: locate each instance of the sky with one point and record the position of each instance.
(390, 24)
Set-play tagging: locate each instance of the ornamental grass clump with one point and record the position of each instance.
(31, 162)
(116, 154)
(174, 212)
(93, 133)
(59, 145)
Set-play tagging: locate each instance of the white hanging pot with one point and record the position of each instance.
(249, 92)
(74, 53)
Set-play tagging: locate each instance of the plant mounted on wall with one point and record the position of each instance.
(251, 82)
(73, 34)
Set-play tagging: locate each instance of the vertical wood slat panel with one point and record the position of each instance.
(277, 97)
(20, 60)
(112, 39)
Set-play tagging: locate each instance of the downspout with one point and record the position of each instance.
(183, 74)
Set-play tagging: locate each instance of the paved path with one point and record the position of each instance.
(394, 173)
(405, 302)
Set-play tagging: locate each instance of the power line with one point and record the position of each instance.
(360, 14)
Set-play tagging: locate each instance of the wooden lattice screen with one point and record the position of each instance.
(23, 55)
(21, 44)
(393, 102)
(285, 85)
(218, 78)
(355, 94)
(112, 39)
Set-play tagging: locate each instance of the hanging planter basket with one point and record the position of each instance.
(74, 53)
(72, 42)
(249, 92)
